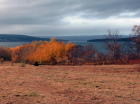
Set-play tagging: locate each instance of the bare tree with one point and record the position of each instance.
(82, 55)
(136, 30)
(113, 46)
(74, 56)
(88, 54)
(136, 40)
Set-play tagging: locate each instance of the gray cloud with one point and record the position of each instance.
(67, 17)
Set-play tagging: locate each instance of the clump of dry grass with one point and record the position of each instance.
(23, 64)
(138, 69)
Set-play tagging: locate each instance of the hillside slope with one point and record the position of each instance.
(19, 38)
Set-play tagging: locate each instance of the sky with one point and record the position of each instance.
(68, 17)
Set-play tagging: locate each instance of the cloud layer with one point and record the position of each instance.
(68, 17)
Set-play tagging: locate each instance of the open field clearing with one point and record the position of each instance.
(110, 84)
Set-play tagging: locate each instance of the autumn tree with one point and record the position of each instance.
(42, 52)
(20, 53)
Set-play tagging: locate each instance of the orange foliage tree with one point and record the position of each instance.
(43, 52)
(19, 53)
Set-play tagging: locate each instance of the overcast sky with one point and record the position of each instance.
(68, 17)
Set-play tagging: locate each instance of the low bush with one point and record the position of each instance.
(5, 54)
(42, 52)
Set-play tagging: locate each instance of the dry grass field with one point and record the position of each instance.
(110, 84)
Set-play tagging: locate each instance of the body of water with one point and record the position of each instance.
(11, 44)
(83, 43)
(14, 44)
(99, 46)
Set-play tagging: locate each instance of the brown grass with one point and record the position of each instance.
(112, 84)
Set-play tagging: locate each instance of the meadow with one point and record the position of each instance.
(62, 84)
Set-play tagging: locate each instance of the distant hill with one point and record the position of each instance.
(74, 38)
(102, 40)
(83, 38)
(20, 38)
(120, 38)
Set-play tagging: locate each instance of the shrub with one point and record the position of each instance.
(5, 54)
(19, 54)
(42, 52)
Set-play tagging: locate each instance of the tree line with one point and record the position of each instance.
(54, 52)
